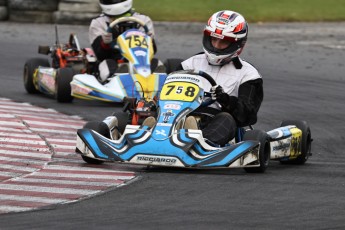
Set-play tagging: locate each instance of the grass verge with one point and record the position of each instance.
(252, 10)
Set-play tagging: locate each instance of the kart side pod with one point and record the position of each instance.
(286, 143)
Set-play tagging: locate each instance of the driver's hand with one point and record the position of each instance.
(216, 92)
(107, 37)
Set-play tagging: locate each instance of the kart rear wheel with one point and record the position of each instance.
(100, 128)
(172, 64)
(29, 69)
(306, 140)
(64, 76)
(264, 151)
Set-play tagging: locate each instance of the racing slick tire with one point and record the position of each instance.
(100, 128)
(29, 68)
(264, 151)
(172, 64)
(306, 141)
(64, 76)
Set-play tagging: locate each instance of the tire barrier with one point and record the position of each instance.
(52, 11)
(39, 11)
(3, 10)
(76, 11)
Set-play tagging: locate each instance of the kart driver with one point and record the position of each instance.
(100, 39)
(240, 91)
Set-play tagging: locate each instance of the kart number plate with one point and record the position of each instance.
(181, 91)
(136, 41)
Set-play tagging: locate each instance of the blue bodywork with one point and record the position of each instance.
(165, 144)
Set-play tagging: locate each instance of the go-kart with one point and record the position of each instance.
(54, 79)
(169, 143)
(136, 73)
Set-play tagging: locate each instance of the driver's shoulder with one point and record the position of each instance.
(197, 61)
(142, 17)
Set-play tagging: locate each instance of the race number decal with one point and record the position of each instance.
(179, 91)
(136, 41)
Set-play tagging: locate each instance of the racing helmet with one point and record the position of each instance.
(232, 28)
(115, 7)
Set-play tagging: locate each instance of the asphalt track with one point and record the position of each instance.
(303, 69)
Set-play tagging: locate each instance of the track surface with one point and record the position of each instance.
(304, 74)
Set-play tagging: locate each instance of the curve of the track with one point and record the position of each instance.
(304, 76)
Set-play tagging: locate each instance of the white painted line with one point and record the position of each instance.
(64, 168)
(20, 160)
(12, 123)
(5, 208)
(43, 153)
(66, 182)
(10, 174)
(40, 130)
(20, 135)
(19, 168)
(22, 141)
(47, 189)
(63, 146)
(52, 125)
(32, 199)
(14, 130)
(84, 176)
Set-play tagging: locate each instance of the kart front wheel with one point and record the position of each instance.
(264, 151)
(64, 76)
(100, 128)
(306, 140)
(29, 69)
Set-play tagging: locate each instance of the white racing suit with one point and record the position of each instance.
(105, 54)
(243, 94)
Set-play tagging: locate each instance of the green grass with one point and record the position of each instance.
(252, 10)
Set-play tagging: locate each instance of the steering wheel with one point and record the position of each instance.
(129, 22)
(212, 82)
(207, 77)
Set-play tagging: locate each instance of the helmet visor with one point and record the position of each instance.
(232, 48)
(109, 2)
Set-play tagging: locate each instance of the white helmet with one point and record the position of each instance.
(225, 25)
(115, 7)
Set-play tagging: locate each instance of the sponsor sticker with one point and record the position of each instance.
(161, 132)
(140, 53)
(172, 106)
(182, 77)
(156, 160)
(166, 115)
(164, 124)
(76, 89)
(133, 33)
(213, 34)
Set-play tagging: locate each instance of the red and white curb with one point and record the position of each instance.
(38, 163)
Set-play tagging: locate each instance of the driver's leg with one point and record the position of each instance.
(221, 129)
(106, 69)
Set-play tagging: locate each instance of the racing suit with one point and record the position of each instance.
(104, 52)
(242, 97)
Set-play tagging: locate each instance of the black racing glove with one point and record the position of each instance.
(217, 93)
(227, 102)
